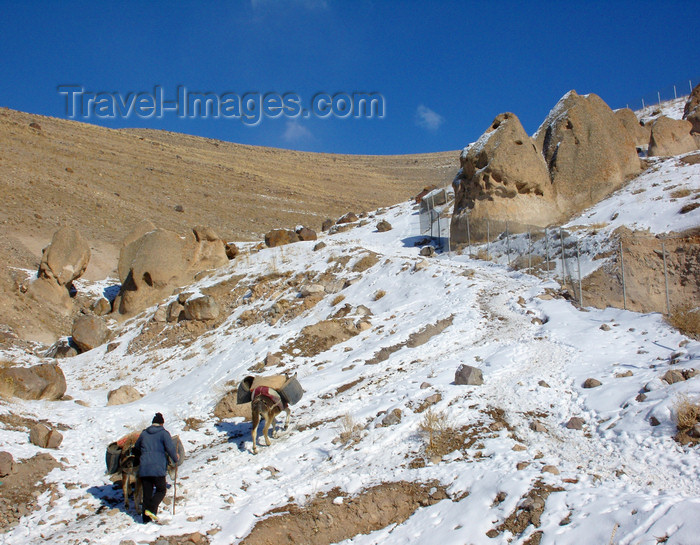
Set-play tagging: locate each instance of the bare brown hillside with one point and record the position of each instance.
(55, 172)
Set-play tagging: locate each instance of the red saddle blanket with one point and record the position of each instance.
(270, 393)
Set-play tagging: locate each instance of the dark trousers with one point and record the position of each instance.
(151, 497)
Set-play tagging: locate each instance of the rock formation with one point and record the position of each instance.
(691, 112)
(587, 149)
(280, 237)
(503, 164)
(153, 263)
(63, 261)
(640, 133)
(671, 137)
(43, 381)
(89, 332)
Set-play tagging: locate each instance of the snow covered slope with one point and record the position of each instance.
(618, 475)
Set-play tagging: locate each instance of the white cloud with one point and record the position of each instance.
(428, 119)
(296, 132)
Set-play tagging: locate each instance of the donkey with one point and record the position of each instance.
(268, 404)
(129, 468)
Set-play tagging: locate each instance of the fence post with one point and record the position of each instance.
(658, 93)
(578, 262)
(546, 247)
(508, 242)
(469, 237)
(624, 289)
(675, 95)
(529, 250)
(663, 252)
(488, 236)
(643, 105)
(563, 263)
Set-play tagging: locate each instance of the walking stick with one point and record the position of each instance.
(174, 490)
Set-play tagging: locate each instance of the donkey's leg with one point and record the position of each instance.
(266, 429)
(286, 422)
(254, 431)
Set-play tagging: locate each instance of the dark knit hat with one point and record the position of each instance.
(158, 419)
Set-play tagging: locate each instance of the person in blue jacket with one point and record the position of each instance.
(154, 446)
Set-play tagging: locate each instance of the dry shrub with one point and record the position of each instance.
(680, 193)
(686, 319)
(379, 295)
(365, 262)
(433, 426)
(687, 413)
(337, 299)
(689, 207)
(350, 431)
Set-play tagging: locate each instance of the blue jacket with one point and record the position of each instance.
(155, 445)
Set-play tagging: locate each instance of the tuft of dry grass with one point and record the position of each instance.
(687, 413)
(379, 295)
(680, 193)
(337, 299)
(350, 430)
(433, 426)
(686, 319)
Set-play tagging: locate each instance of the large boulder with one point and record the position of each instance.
(64, 260)
(43, 381)
(691, 112)
(640, 133)
(89, 332)
(7, 464)
(502, 176)
(306, 233)
(153, 263)
(45, 437)
(466, 374)
(588, 151)
(280, 237)
(201, 308)
(123, 395)
(670, 137)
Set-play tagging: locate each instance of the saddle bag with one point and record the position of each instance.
(112, 457)
(244, 394)
(292, 391)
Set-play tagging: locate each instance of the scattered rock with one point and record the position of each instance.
(604, 327)
(670, 137)
(272, 360)
(640, 134)
(575, 423)
(89, 332)
(161, 314)
(231, 250)
(654, 421)
(305, 233)
(466, 374)
(44, 437)
(392, 418)
(62, 348)
(691, 111)
(280, 237)
(312, 289)
(550, 469)
(543, 384)
(624, 375)
(537, 427)
(383, 226)
(519, 448)
(326, 225)
(679, 375)
(348, 218)
(175, 312)
(427, 251)
(7, 463)
(420, 265)
(43, 381)
(592, 383)
(521, 465)
(201, 308)
(319, 246)
(101, 307)
(425, 385)
(122, 395)
(641, 397)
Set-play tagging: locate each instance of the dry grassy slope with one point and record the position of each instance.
(103, 181)
(120, 177)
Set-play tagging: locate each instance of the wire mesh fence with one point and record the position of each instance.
(624, 269)
(678, 90)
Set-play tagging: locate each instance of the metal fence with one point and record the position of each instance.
(678, 90)
(434, 217)
(630, 270)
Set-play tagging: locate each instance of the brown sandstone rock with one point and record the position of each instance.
(101, 307)
(305, 233)
(503, 176)
(209, 250)
(122, 395)
(43, 381)
(691, 112)
(350, 217)
(89, 332)
(201, 308)
(640, 133)
(44, 437)
(384, 226)
(280, 237)
(670, 137)
(587, 149)
(7, 463)
(466, 374)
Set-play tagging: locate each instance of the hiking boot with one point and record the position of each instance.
(150, 516)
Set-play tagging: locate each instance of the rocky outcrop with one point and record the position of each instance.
(280, 237)
(123, 395)
(502, 165)
(89, 332)
(587, 149)
(640, 133)
(201, 308)
(43, 381)
(670, 137)
(63, 261)
(153, 263)
(691, 112)
(305, 233)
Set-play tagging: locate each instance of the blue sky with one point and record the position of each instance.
(444, 69)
